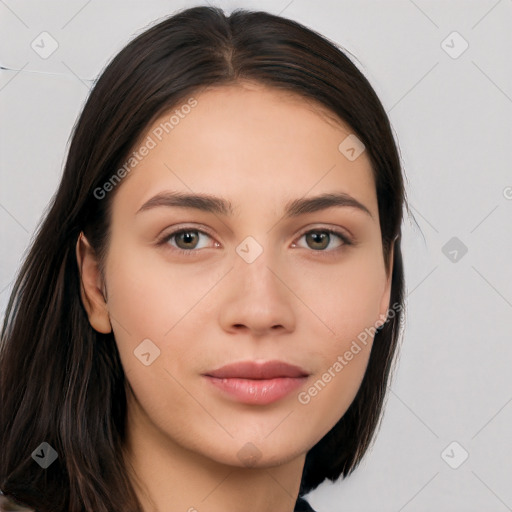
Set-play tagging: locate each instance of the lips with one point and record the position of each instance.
(255, 383)
(257, 371)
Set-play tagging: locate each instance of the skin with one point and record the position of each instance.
(259, 148)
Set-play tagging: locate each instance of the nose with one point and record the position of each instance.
(258, 299)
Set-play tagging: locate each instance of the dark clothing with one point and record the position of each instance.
(301, 505)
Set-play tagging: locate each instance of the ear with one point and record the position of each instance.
(386, 295)
(91, 285)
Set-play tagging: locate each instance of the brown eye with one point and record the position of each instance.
(186, 239)
(320, 239)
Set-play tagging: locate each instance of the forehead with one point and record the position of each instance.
(250, 142)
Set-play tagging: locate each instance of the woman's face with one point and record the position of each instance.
(259, 279)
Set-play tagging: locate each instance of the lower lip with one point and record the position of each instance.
(258, 392)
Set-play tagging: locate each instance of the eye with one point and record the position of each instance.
(185, 240)
(321, 238)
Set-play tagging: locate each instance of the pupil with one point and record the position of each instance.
(322, 238)
(188, 237)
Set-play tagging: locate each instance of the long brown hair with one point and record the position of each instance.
(61, 382)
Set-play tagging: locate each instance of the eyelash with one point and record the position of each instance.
(322, 253)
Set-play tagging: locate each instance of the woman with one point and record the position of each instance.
(209, 313)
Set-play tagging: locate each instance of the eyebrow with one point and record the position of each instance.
(218, 205)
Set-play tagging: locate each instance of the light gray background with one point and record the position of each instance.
(453, 120)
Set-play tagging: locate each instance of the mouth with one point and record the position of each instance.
(257, 383)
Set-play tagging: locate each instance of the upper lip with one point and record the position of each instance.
(254, 370)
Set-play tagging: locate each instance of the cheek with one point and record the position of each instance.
(149, 297)
(163, 304)
(349, 309)
(333, 389)
(345, 297)
(347, 301)
(148, 306)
